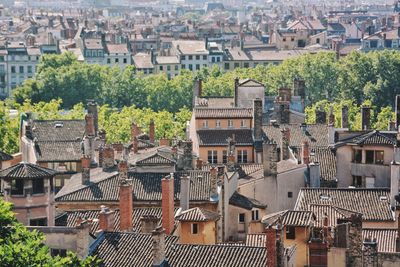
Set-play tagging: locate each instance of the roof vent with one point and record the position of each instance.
(383, 198)
(58, 124)
(325, 197)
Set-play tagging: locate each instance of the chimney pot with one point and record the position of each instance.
(285, 143)
(257, 118)
(149, 223)
(305, 150)
(106, 219)
(89, 123)
(270, 158)
(151, 131)
(125, 205)
(158, 236)
(85, 162)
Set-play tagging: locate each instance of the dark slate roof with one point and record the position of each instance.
(4, 156)
(25, 170)
(223, 113)
(219, 137)
(48, 151)
(58, 140)
(197, 215)
(130, 249)
(48, 130)
(70, 218)
(374, 203)
(244, 202)
(315, 134)
(146, 187)
(371, 138)
(327, 160)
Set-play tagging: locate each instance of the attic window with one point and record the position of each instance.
(325, 197)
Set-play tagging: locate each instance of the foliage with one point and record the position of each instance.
(115, 122)
(20, 247)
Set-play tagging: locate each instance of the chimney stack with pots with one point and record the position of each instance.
(271, 247)
(236, 92)
(187, 146)
(125, 205)
(134, 136)
(214, 181)
(197, 90)
(148, 223)
(92, 110)
(108, 157)
(345, 117)
(257, 119)
(315, 174)
(123, 170)
(167, 203)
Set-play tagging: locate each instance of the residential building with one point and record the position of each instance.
(193, 55)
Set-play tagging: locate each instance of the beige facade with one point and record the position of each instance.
(206, 233)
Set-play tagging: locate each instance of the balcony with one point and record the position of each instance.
(370, 170)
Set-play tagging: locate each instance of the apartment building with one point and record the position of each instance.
(193, 55)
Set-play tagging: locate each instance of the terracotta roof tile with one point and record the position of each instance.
(197, 215)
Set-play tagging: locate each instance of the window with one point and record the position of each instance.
(255, 215)
(197, 57)
(168, 68)
(218, 124)
(205, 124)
(176, 67)
(230, 123)
(195, 228)
(183, 66)
(357, 181)
(227, 66)
(242, 156)
(58, 252)
(357, 155)
(116, 60)
(190, 67)
(125, 61)
(197, 66)
(242, 123)
(13, 69)
(236, 65)
(224, 156)
(190, 57)
(290, 232)
(212, 156)
(289, 194)
(241, 218)
(246, 65)
(318, 41)
(183, 57)
(292, 39)
(204, 57)
(38, 186)
(284, 40)
(369, 156)
(161, 67)
(213, 59)
(17, 187)
(218, 59)
(379, 157)
(21, 69)
(38, 222)
(29, 69)
(1, 58)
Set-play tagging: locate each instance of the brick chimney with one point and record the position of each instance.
(281, 108)
(214, 181)
(365, 118)
(125, 205)
(92, 110)
(167, 203)
(185, 192)
(270, 158)
(345, 117)
(89, 125)
(257, 119)
(106, 219)
(123, 170)
(320, 115)
(285, 143)
(331, 117)
(305, 152)
(197, 90)
(271, 247)
(134, 135)
(108, 157)
(164, 142)
(85, 162)
(151, 131)
(148, 223)
(158, 236)
(236, 91)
